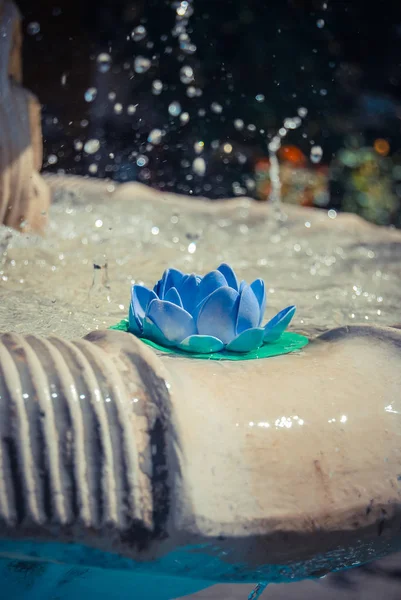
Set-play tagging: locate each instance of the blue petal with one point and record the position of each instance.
(198, 307)
(173, 297)
(211, 282)
(248, 340)
(229, 274)
(278, 324)
(218, 315)
(258, 287)
(171, 278)
(248, 310)
(242, 285)
(134, 326)
(173, 321)
(189, 293)
(141, 296)
(152, 332)
(156, 287)
(201, 344)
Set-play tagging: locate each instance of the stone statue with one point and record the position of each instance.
(24, 196)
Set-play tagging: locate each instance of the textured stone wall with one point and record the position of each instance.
(24, 196)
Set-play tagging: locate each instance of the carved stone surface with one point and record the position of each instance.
(263, 470)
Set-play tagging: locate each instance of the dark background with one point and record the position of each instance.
(347, 72)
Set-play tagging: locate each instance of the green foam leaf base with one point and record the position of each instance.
(288, 342)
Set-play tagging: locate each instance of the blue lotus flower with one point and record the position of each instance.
(205, 314)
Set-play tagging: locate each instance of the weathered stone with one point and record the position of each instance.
(24, 196)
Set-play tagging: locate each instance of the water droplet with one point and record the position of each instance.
(239, 124)
(292, 123)
(118, 108)
(275, 144)
(142, 160)
(260, 98)
(191, 91)
(131, 109)
(174, 109)
(316, 154)
(90, 94)
(184, 118)
(199, 166)
(302, 112)
(157, 87)
(186, 74)
(199, 147)
(103, 62)
(141, 64)
(155, 136)
(52, 159)
(93, 168)
(238, 190)
(78, 145)
(91, 146)
(33, 28)
(183, 9)
(188, 48)
(216, 108)
(139, 33)
(320, 23)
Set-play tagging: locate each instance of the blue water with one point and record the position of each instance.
(35, 580)
(56, 571)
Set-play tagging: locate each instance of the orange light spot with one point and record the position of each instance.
(382, 147)
(262, 165)
(292, 154)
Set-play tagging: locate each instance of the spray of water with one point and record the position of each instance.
(274, 168)
(149, 141)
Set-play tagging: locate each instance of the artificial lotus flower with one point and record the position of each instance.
(205, 314)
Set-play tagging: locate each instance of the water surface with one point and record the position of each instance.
(102, 238)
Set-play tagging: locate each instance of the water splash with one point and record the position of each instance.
(139, 33)
(274, 167)
(103, 62)
(274, 173)
(154, 135)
